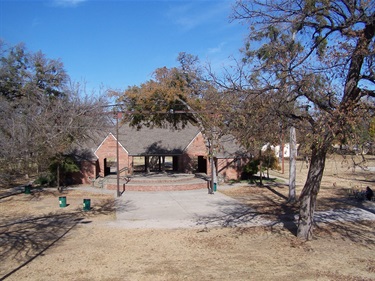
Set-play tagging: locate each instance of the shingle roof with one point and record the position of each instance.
(229, 147)
(155, 141)
(85, 149)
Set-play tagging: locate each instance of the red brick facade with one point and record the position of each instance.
(189, 161)
(88, 171)
(194, 158)
(229, 169)
(106, 153)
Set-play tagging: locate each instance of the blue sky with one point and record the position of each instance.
(117, 44)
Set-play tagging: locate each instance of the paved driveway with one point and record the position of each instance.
(197, 209)
(182, 209)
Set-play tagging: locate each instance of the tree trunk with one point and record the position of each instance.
(352, 94)
(292, 165)
(58, 176)
(310, 192)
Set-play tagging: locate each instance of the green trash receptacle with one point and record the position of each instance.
(62, 201)
(215, 186)
(86, 204)
(27, 189)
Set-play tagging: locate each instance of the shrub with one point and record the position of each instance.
(43, 180)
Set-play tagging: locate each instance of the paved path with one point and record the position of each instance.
(198, 209)
(182, 209)
(366, 212)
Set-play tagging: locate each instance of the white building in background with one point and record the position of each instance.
(276, 149)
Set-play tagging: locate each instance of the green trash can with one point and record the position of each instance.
(27, 189)
(86, 204)
(215, 186)
(62, 201)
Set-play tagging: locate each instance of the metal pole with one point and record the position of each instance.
(212, 163)
(281, 152)
(292, 164)
(212, 174)
(117, 157)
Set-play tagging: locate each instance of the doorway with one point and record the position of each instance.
(202, 164)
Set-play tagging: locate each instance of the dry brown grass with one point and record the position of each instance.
(40, 241)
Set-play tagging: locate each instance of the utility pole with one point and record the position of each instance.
(212, 154)
(117, 156)
(211, 191)
(281, 150)
(292, 164)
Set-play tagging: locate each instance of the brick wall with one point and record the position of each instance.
(88, 170)
(189, 160)
(229, 169)
(107, 150)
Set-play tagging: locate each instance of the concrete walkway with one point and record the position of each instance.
(198, 209)
(182, 209)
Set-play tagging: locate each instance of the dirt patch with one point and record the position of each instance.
(41, 241)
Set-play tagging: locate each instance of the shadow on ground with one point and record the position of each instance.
(271, 209)
(25, 239)
(337, 215)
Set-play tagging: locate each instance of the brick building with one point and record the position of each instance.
(162, 150)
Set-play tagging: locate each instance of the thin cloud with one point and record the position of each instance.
(217, 49)
(68, 3)
(36, 22)
(192, 15)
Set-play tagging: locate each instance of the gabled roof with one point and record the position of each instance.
(85, 149)
(110, 135)
(155, 141)
(229, 147)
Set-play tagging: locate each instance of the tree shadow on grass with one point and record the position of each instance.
(345, 216)
(35, 192)
(337, 216)
(351, 202)
(269, 211)
(25, 239)
(360, 232)
(256, 180)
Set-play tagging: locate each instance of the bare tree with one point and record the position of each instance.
(43, 114)
(320, 55)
